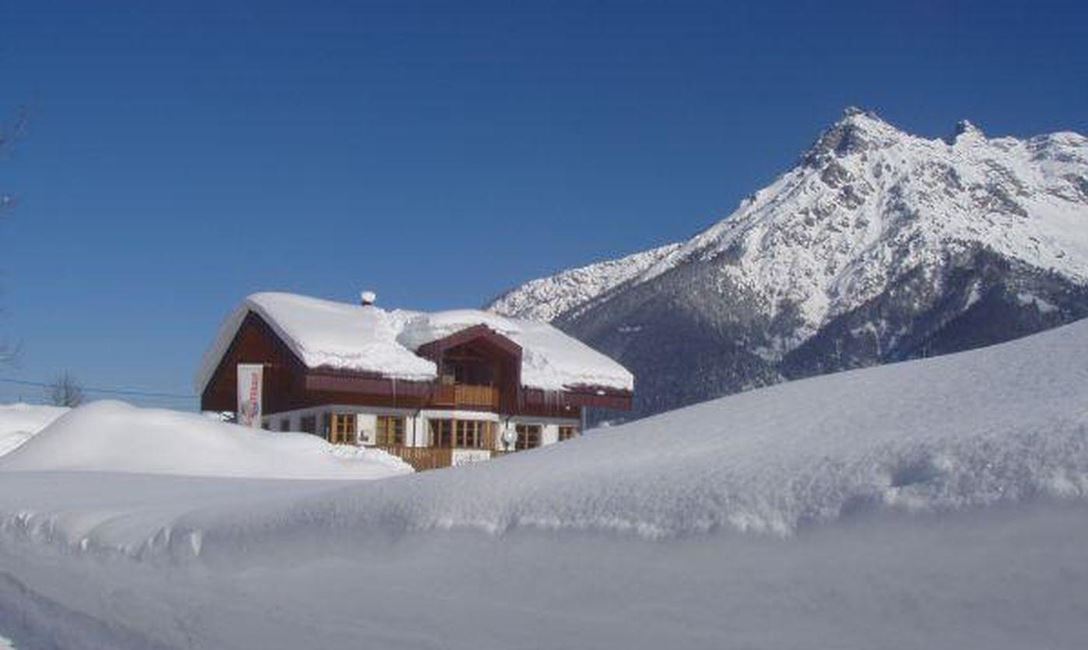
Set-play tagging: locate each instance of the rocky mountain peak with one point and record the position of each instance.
(965, 129)
(879, 246)
(858, 130)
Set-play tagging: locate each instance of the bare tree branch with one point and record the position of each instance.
(65, 391)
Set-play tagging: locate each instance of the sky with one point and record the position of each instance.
(176, 157)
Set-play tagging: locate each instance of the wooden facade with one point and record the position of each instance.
(477, 354)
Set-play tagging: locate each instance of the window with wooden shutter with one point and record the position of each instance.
(389, 431)
(342, 430)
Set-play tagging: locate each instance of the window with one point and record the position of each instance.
(285, 424)
(343, 429)
(462, 434)
(474, 434)
(528, 436)
(567, 432)
(441, 433)
(308, 423)
(390, 431)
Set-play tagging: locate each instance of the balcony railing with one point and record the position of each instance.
(467, 395)
(425, 458)
(422, 458)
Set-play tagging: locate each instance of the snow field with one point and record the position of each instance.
(19, 422)
(939, 503)
(110, 436)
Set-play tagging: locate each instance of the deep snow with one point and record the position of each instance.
(938, 503)
(109, 436)
(1005, 424)
(19, 422)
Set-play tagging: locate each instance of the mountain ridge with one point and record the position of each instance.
(884, 238)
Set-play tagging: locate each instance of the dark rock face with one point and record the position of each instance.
(687, 338)
(978, 299)
(680, 346)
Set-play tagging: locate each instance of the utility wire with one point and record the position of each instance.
(109, 391)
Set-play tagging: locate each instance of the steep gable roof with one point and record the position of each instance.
(341, 336)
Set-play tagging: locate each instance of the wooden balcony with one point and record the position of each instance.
(425, 458)
(422, 458)
(467, 396)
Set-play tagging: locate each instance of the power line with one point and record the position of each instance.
(108, 391)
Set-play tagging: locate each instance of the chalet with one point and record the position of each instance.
(437, 389)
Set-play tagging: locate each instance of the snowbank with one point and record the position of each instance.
(115, 437)
(991, 580)
(1000, 425)
(18, 422)
(938, 504)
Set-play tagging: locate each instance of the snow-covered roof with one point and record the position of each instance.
(327, 334)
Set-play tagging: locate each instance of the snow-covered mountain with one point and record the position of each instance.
(877, 246)
(550, 297)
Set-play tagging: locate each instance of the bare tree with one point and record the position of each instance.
(65, 391)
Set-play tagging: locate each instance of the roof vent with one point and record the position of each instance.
(368, 298)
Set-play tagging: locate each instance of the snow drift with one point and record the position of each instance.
(111, 436)
(939, 503)
(19, 422)
(1000, 425)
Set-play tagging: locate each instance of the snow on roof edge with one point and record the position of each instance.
(213, 356)
(552, 359)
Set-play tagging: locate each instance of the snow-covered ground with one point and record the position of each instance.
(940, 503)
(111, 436)
(18, 422)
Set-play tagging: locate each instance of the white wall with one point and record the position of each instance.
(366, 419)
(549, 431)
(416, 425)
(366, 427)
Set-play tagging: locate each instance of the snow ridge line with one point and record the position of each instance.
(911, 480)
(887, 480)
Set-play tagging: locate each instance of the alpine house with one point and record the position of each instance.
(436, 389)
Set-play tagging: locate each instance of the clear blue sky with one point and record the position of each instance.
(181, 155)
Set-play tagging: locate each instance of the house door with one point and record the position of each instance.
(342, 431)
